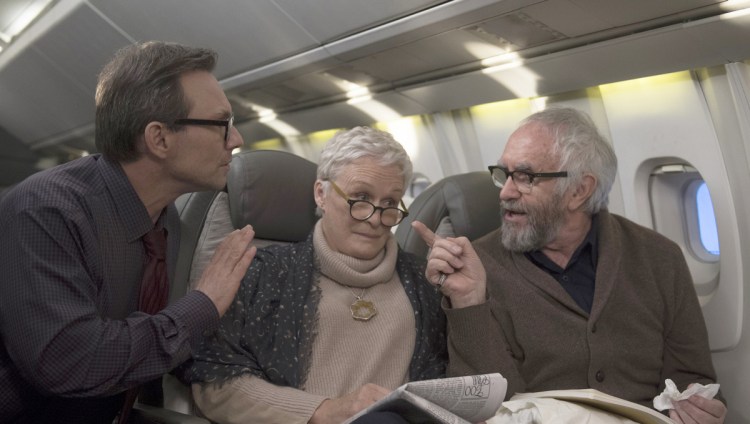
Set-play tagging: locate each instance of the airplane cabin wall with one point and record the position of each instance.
(727, 89)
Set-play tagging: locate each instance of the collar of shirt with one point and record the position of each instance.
(129, 206)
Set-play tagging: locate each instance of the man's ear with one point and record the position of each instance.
(582, 192)
(157, 138)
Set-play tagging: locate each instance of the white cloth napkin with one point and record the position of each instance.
(671, 394)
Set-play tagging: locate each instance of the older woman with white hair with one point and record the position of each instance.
(323, 328)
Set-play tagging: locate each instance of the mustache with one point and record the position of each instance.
(513, 205)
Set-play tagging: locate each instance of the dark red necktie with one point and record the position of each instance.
(154, 286)
(153, 295)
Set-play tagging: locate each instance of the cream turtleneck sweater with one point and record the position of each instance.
(346, 353)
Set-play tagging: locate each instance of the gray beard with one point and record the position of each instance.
(543, 224)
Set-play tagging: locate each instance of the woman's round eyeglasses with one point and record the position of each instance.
(362, 210)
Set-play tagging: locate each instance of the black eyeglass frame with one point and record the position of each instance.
(226, 123)
(352, 202)
(530, 175)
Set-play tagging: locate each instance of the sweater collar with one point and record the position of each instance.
(353, 272)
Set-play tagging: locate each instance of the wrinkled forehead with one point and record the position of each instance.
(530, 147)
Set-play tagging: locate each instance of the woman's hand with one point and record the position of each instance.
(340, 409)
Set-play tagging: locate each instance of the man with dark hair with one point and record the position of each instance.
(83, 315)
(566, 295)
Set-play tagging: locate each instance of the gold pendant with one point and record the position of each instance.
(363, 310)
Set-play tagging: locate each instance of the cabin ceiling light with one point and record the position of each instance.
(21, 16)
(503, 67)
(735, 4)
(264, 114)
(500, 59)
(4, 41)
(357, 91)
(282, 128)
(358, 99)
(378, 111)
(501, 62)
(270, 119)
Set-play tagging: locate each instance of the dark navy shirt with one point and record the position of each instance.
(579, 275)
(71, 262)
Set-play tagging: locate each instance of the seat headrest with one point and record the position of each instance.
(470, 203)
(272, 191)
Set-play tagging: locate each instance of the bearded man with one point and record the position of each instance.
(566, 295)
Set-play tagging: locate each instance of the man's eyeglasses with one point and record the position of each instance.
(226, 123)
(362, 210)
(524, 180)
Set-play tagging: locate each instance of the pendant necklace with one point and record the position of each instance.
(362, 310)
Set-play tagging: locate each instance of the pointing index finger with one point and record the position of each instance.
(427, 235)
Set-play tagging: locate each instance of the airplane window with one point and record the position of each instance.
(709, 235)
(679, 190)
(419, 182)
(702, 231)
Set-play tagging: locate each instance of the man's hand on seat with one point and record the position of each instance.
(221, 278)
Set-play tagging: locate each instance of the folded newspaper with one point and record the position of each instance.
(456, 400)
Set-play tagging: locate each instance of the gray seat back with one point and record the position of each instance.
(193, 209)
(270, 190)
(273, 192)
(459, 205)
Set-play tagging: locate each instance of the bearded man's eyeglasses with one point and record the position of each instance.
(524, 180)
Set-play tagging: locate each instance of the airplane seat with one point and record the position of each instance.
(270, 190)
(458, 205)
